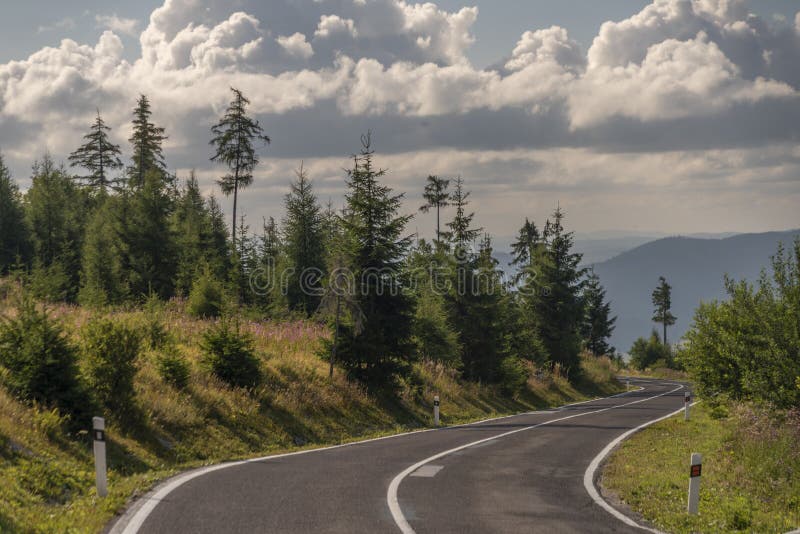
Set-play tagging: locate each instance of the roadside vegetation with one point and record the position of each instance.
(743, 358)
(179, 413)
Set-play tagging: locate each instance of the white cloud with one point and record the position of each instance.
(296, 45)
(550, 45)
(334, 24)
(675, 79)
(118, 24)
(402, 69)
(67, 23)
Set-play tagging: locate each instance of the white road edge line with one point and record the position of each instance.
(391, 493)
(132, 520)
(589, 475)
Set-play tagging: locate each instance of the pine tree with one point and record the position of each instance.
(662, 301)
(220, 248)
(554, 303)
(436, 196)
(195, 243)
(146, 140)
(304, 245)
(598, 324)
(233, 139)
(460, 233)
(524, 250)
(98, 155)
(149, 243)
(375, 230)
(14, 234)
(103, 279)
(56, 212)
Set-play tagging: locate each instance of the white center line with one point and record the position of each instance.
(391, 493)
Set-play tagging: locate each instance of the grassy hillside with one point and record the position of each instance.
(46, 473)
(750, 482)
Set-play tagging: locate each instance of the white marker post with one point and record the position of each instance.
(99, 438)
(627, 385)
(694, 482)
(436, 410)
(687, 402)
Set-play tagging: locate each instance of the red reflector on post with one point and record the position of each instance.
(695, 470)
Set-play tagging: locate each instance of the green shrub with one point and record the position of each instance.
(41, 362)
(513, 375)
(110, 347)
(230, 355)
(173, 368)
(49, 283)
(206, 297)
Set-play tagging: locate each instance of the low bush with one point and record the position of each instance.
(41, 362)
(206, 298)
(110, 348)
(173, 368)
(230, 355)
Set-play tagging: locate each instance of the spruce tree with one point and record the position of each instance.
(304, 245)
(436, 196)
(98, 155)
(194, 240)
(146, 141)
(233, 140)
(524, 249)
(103, 278)
(554, 303)
(598, 325)
(375, 230)
(662, 301)
(56, 212)
(149, 240)
(14, 235)
(461, 234)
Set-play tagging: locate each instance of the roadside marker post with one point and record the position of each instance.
(436, 410)
(687, 402)
(695, 470)
(99, 439)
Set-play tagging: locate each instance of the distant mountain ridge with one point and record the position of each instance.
(694, 267)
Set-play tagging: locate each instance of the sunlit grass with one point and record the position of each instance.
(47, 477)
(751, 471)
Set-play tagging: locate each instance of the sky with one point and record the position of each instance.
(671, 116)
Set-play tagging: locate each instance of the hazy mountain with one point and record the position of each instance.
(693, 266)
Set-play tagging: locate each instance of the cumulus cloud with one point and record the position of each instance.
(296, 45)
(118, 24)
(334, 24)
(678, 75)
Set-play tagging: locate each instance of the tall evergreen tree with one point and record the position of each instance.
(103, 278)
(555, 305)
(662, 301)
(14, 235)
(598, 325)
(98, 155)
(56, 212)
(233, 141)
(375, 230)
(523, 250)
(461, 234)
(304, 245)
(146, 141)
(436, 197)
(194, 239)
(149, 243)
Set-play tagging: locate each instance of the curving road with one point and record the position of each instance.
(523, 473)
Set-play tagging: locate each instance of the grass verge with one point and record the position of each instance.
(751, 471)
(47, 476)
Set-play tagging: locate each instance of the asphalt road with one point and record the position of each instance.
(525, 474)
